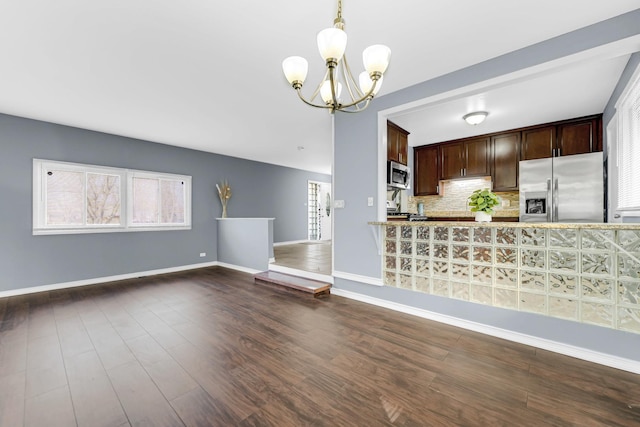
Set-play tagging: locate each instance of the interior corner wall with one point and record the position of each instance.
(627, 73)
(259, 190)
(356, 177)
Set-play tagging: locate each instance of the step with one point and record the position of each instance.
(293, 283)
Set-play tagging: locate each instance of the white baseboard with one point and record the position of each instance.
(301, 273)
(94, 281)
(292, 242)
(105, 279)
(358, 278)
(554, 346)
(238, 267)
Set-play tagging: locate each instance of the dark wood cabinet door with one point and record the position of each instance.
(392, 143)
(578, 137)
(425, 170)
(477, 152)
(505, 158)
(397, 143)
(452, 160)
(403, 148)
(538, 143)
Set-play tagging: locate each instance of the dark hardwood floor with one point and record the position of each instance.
(210, 348)
(313, 256)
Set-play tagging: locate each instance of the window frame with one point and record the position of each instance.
(160, 177)
(40, 226)
(623, 121)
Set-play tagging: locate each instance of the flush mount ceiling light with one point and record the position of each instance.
(332, 43)
(476, 117)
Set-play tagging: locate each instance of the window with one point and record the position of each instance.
(76, 198)
(157, 200)
(628, 140)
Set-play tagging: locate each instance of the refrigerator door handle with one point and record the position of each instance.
(549, 200)
(555, 200)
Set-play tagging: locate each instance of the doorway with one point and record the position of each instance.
(319, 210)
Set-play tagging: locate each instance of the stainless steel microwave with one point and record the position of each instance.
(398, 175)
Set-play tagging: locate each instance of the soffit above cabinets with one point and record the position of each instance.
(568, 92)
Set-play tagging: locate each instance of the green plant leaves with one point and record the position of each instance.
(483, 200)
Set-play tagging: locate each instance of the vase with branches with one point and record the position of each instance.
(224, 192)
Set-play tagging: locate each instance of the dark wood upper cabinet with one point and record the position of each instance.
(579, 137)
(392, 143)
(566, 138)
(397, 143)
(477, 152)
(425, 170)
(505, 156)
(403, 148)
(499, 154)
(538, 143)
(464, 159)
(452, 160)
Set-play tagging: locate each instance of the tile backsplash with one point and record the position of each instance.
(454, 194)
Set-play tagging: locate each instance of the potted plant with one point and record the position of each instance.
(482, 202)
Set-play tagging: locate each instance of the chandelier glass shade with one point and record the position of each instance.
(332, 43)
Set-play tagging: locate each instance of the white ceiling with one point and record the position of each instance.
(207, 75)
(568, 92)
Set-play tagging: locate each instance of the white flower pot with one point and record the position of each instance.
(483, 217)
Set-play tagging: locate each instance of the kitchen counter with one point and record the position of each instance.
(495, 224)
(403, 217)
(585, 272)
(502, 213)
(510, 215)
(396, 219)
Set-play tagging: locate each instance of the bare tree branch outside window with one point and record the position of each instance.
(78, 198)
(64, 197)
(103, 199)
(172, 196)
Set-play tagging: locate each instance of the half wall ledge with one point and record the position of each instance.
(245, 242)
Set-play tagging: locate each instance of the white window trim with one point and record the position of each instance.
(612, 162)
(126, 205)
(619, 117)
(161, 176)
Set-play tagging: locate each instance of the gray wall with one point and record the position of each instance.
(245, 242)
(259, 190)
(356, 140)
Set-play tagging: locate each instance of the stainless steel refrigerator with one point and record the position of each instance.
(562, 189)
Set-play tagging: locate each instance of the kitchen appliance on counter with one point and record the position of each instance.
(392, 207)
(398, 175)
(406, 216)
(562, 189)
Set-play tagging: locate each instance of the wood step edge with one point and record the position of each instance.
(293, 282)
(278, 276)
(279, 273)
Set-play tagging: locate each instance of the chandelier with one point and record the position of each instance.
(332, 43)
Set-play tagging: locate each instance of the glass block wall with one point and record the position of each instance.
(581, 274)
